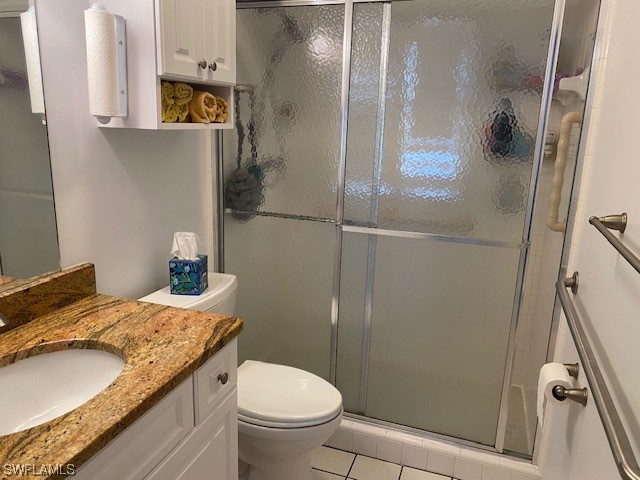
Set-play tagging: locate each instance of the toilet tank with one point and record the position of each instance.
(220, 297)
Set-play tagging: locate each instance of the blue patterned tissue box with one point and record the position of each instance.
(188, 277)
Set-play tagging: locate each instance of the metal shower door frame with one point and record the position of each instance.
(373, 233)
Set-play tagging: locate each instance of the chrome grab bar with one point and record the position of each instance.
(619, 223)
(613, 427)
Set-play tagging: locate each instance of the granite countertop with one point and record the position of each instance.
(9, 282)
(5, 280)
(161, 346)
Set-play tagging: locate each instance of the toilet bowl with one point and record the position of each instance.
(283, 412)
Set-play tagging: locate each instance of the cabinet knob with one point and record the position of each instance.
(202, 64)
(223, 378)
(213, 66)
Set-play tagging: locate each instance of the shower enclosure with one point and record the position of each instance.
(379, 189)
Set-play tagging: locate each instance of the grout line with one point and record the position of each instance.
(356, 455)
(352, 463)
(326, 471)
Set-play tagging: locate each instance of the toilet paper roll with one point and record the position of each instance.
(551, 375)
(104, 62)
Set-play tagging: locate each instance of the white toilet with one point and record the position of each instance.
(283, 412)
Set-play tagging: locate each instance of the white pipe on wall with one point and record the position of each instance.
(558, 174)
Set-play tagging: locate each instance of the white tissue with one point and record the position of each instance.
(106, 63)
(551, 375)
(186, 245)
(32, 57)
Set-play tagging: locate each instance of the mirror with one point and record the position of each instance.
(28, 233)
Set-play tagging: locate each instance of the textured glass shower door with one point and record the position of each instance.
(281, 167)
(445, 102)
(378, 196)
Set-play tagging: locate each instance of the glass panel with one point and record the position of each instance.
(363, 110)
(441, 315)
(464, 90)
(288, 119)
(285, 278)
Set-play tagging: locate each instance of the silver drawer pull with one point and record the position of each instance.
(223, 378)
(202, 64)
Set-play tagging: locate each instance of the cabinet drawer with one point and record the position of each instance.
(214, 380)
(133, 453)
(210, 451)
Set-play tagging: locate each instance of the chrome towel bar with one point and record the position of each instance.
(613, 427)
(616, 222)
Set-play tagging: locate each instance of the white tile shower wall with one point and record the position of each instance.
(119, 194)
(428, 454)
(573, 442)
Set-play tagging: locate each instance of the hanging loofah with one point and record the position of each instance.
(243, 192)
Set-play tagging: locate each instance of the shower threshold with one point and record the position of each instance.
(405, 445)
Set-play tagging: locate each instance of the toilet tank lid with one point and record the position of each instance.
(221, 286)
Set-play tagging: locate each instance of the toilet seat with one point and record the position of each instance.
(278, 396)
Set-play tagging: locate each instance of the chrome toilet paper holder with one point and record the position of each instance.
(578, 395)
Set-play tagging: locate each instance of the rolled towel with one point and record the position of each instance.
(223, 110)
(183, 113)
(166, 90)
(170, 113)
(182, 93)
(203, 107)
(166, 96)
(175, 113)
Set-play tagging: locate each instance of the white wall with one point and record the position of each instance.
(119, 194)
(574, 446)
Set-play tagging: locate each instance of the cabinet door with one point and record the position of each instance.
(220, 39)
(209, 452)
(133, 453)
(179, 37)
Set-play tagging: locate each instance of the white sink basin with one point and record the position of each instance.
(41, 388)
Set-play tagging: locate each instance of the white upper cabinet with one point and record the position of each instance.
(180, 45)
(220, 40)
(190, 41)
(196, 39)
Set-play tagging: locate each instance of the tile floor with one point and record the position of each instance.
(331, 464)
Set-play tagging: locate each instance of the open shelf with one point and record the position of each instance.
(225, 92)
(195, 126)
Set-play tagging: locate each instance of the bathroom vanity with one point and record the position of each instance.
(170, 413)
(191, 434)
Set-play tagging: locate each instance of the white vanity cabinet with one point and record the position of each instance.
(191, 434)
(196, 39)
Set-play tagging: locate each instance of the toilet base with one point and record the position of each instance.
(243, 470)
(281, 454)
(294, 470)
